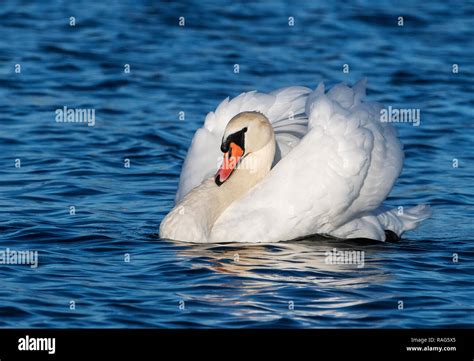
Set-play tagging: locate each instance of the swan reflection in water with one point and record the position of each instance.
(290, 271)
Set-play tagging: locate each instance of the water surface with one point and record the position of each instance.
(82, 257)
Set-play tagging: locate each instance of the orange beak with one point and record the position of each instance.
(230, 162)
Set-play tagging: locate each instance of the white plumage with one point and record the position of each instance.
(335, 164)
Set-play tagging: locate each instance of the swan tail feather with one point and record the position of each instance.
(400, 220)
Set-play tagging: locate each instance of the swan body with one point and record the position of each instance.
(296, 162)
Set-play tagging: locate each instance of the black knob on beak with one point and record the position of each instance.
(237, 138)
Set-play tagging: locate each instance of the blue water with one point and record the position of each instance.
(190, 69)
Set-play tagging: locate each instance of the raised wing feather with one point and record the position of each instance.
(343, 167)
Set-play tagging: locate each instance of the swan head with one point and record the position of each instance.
(246, 133)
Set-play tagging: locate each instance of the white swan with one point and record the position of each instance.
(296, 163)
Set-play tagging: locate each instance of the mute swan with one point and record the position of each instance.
(295, 163)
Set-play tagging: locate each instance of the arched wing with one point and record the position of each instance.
(337, 173)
